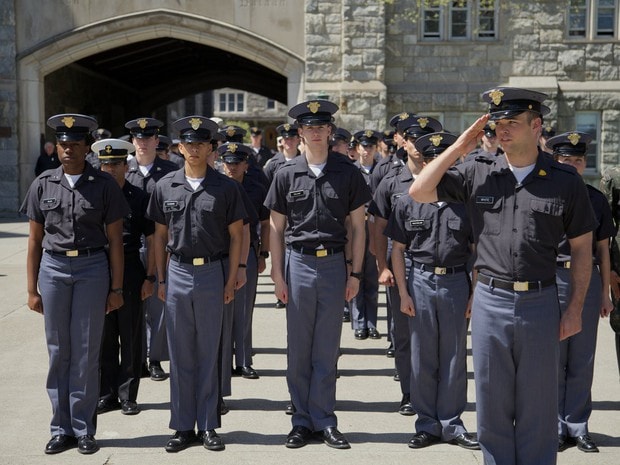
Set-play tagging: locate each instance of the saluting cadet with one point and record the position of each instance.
(74, 211)
(144, 170)
(385, 196)
(520, 205)
(576, 368)
(198, 216)
(437, 238)
(235, 158)
(123, 329)
(310, 198)
(365, 304)
(290, 140)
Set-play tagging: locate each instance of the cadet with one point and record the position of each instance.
(520, 205)
(144, 170)
(437, 238)
(311, 197)
(235, 157)
(290, 141)
(365, 304)
(489, 145)
(198, 218)
(610, 186)
(389, 190)
(576, 367)
(259, 152)
(236, 134)
(340, 141)
(163, 151)
(74, 211)
(124, 328)
(97, 134)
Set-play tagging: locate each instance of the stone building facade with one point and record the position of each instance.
(374, 58)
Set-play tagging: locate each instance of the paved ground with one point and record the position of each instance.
(256, 427)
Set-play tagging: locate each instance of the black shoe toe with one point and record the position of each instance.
(60, 443)
(87, 444)
(181, 440)
(585, 443)
(298, 437)
(129, 407)
(334, 438)
(211, 440)
(466, 441)
(157, 372)
(422, 439)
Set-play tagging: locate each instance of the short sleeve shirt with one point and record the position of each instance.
(135, 225)
(518, 226)
(74, 218)
(147, 183)
(389, 190)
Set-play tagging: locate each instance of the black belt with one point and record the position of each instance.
(439, 269)
(197, 261)
(519, 286)
(76, 253)
(317, 252)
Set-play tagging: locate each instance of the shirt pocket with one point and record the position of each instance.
(419, 230)
(299, 203)
(491, 216)
(90, 210)
(174, 210)
(52, 210)
(545, 224)
(334, 202)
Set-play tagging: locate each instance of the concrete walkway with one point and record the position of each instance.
(255, 429)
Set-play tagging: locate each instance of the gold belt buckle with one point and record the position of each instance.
(567, 264)
(72, 253)
(521, 286)
(321, 253)
(198, 261)
(440, 270)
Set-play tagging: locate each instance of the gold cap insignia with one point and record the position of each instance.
(369, 133)
(422, 122)
(287, 127)
(436, 140)
(542, 173)
(108, 149)
(496, 96)
(195, 123)
(403, 116)
(574, 138)
(142, 123)
(314, 106)
(529, 107)
(232, 148)
(230, 131)
(68, 121)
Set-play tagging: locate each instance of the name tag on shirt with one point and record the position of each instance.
(485, 199)
(295, 194)
(416, 222)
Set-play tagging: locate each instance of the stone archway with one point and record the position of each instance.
(54, 53)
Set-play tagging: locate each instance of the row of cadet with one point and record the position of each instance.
(183, 237)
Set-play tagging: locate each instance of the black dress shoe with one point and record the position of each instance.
(107, 405)
(406, 407)
(247, 372)
(280, 304)
(289, 409)
(466, 441)
(156, 371)
(396, 376)
(585, 443)
(181, 440)
(346, 317)
(211, 440)
(224, 409)
(361, 334)
(60, 443)
(334, 438)
(298, 437)
(374, 334)
(422, 439)
(129, 407)
(389, 352)
(565, 442)
(87, 444)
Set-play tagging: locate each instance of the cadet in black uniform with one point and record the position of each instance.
(123, 329)
(389, 190)
(144, 170)
(576, 368)
(310, 198)
(74, 212)
(340, 141)
(520, 205)
(290, 141)
(198, 216)
(260, 153)
(438, 239)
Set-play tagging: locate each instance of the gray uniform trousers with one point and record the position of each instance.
(227, 338)
(364, 305)
(194, 307)
(244, 310)
(515, 353)
(576, 369)
(155, 342)
(316, 290)
(74, 293)
(400, 333)
(439, 351)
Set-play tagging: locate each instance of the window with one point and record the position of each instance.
(592, 19)
(590, 122)
(271, 104)
(459, 19)
(232, 102)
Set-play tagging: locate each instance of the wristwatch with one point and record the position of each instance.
(118, 290)
(264, 254)
(150, 278)
(359, 275)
